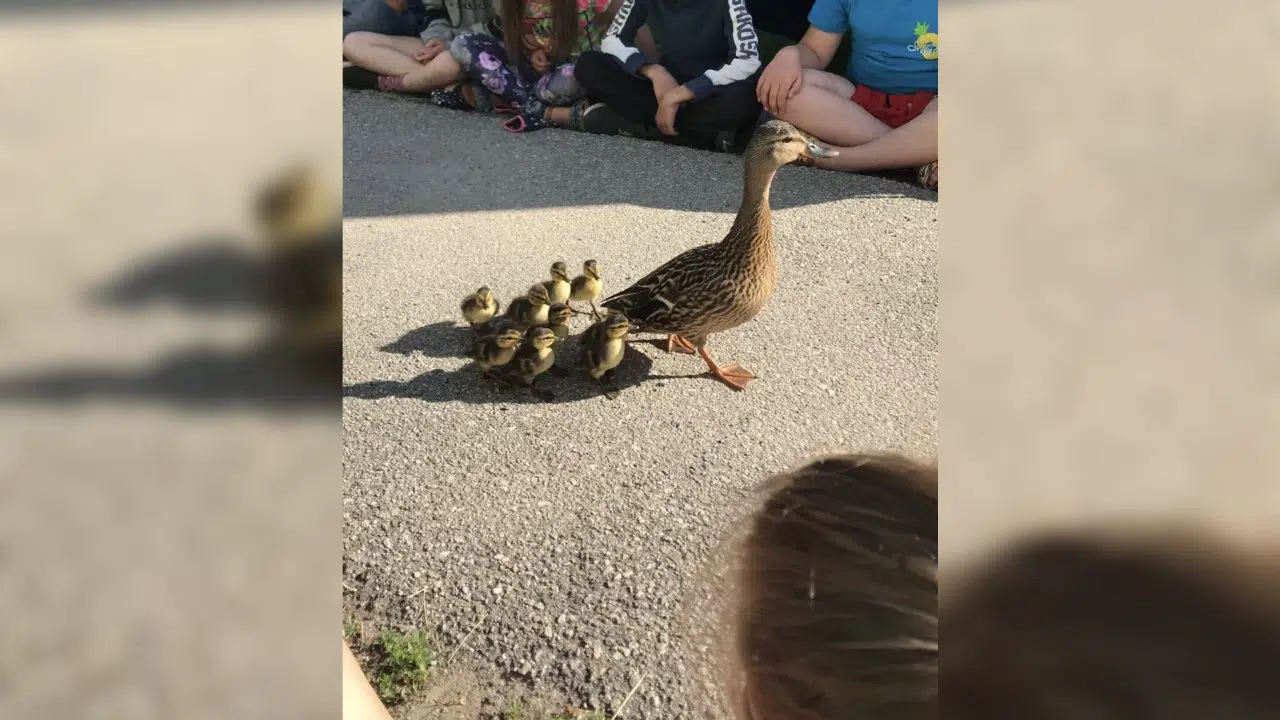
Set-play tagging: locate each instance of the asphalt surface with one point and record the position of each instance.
(566, 533)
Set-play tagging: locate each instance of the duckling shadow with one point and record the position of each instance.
(263, 376)
(440, 339)
(468, 386)
(215, 273)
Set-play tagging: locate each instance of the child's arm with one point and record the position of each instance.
(744, 53)
(620, 41)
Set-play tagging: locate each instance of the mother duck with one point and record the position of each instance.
(717, 287)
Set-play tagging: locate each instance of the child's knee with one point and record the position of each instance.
(561, 87)
(823, 80)
(356, 40)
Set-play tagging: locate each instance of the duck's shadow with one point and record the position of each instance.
(467, 385)
(440, 339)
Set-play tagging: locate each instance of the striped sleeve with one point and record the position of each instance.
(744, 58)
(620, 40)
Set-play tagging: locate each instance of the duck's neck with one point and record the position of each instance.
(753, 228)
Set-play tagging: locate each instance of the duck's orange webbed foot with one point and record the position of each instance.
(677, 344)
(733, 374)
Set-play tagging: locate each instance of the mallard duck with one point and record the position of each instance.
(587, 287)
(603, 347)
(479, 307)
(531, 309)
(495, 350)
(558, 286)
(717, 287)
(300, 215)
(535, 357)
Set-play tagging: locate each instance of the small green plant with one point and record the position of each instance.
(351, 629)
(587, 715)
(402, 664)
(513, 712)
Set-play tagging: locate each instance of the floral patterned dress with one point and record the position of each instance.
(528, 93)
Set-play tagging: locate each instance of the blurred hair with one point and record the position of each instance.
(564, 30)
(837, 609)
(1069, 626)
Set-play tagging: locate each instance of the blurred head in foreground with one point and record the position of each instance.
(837, 613)
(1083, 626)
(300, 215)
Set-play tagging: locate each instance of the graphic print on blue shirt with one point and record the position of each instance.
(895, 42)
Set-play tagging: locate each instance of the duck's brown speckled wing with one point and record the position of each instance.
(657, 301)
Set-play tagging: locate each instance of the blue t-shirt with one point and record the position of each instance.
(895, 42)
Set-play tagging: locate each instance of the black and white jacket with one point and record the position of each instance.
(706, 44)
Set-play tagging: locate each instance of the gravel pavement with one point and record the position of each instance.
(567, 532)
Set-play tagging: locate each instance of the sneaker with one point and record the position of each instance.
(357, 78)
(601, 119)
(726, 141)
(451, 99)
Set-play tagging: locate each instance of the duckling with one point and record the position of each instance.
(720, 286)
(530, 310)
(558, 286)
(535, 357)
(587, 287)
(479, 307)
(603, 346)
(299, 213)
(558, 320)
(495, 350)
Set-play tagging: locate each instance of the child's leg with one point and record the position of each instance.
(730, 111)
(443, 70)
(560, 89)
(604, 80)
(382, 54)
(485, 61)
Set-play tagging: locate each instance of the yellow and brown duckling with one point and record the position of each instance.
(717, 287)
(299, 213)
(479, 307)
(531, 309)
(603, 346)
(495, 350)
(558, 320)
(587, 287)
(558, 287)
(535, 357)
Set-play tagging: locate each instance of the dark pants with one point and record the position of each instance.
(733, 108)
(378, 17)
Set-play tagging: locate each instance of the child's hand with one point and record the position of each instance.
(668, 105)
(434, 47)
(540, 62)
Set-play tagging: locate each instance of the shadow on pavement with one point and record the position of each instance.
(391, 168)
(207, 274)
(262, 377)
(440, 339)
(467, 385)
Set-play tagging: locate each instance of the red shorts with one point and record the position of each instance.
(892, 110)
